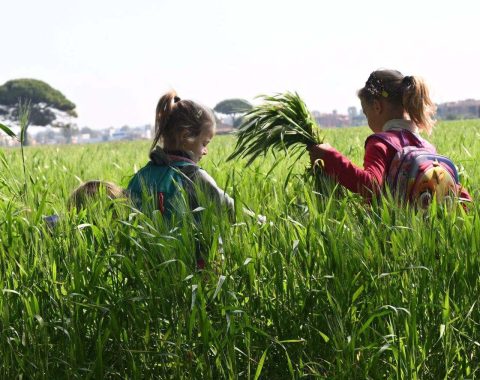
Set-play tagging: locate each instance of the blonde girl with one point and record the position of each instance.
(393, 103)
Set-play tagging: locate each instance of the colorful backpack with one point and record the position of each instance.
(417, 174)
(162, 182)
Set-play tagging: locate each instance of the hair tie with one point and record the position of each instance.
(176, 99)
(407, 81)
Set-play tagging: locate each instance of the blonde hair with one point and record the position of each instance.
(87, 190)
(174, 115)
(409, 92)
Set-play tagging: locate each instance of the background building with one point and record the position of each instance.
(463, 109)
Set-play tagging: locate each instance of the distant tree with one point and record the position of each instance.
(47, 105)
(40, 115)
(68, 131)
(86, 130)
(235, 108)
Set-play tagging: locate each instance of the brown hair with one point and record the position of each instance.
(83, 193)
(174, 115)
(409, 92)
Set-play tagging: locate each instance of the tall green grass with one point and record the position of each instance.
(327, 288)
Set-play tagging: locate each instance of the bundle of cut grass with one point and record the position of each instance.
(281, 123)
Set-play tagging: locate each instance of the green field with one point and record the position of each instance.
(327, 288)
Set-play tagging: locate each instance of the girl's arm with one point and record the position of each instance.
(208, 184)
(363, 181)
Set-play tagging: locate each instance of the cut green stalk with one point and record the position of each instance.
(281, 122)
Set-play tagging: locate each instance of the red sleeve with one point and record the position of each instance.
(363, 181)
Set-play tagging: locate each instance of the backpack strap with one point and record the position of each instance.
(187, 169)
(419, 142)
(386, 137)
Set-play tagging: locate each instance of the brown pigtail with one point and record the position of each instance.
(162, 113)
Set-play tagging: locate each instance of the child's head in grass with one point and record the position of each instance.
(88, 191)
(388, 94)
(183, 125)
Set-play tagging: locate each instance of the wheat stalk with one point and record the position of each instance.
(281, 122)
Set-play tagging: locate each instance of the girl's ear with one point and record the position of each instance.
(183, 136)
(377, 106)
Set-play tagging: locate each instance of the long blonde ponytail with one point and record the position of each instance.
(417, 103)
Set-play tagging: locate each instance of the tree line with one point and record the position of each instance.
(48, 106)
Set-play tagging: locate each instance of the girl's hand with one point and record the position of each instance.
(316, 151)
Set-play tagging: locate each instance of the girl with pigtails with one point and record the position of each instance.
(171, 181)
(397, 108)
(183, 129)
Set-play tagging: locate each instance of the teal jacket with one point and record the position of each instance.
(169, 182)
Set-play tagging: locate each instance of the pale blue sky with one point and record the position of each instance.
(115, 58)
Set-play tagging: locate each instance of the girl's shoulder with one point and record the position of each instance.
(201, 175)
(397, 140)
(389, 139)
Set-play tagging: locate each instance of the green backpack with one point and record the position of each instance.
(162, 186)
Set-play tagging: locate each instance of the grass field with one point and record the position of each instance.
(327, 288)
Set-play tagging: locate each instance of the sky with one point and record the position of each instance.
(114, 59)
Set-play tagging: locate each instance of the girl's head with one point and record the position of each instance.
(90, 189)
(183, 125)
(388, 94)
